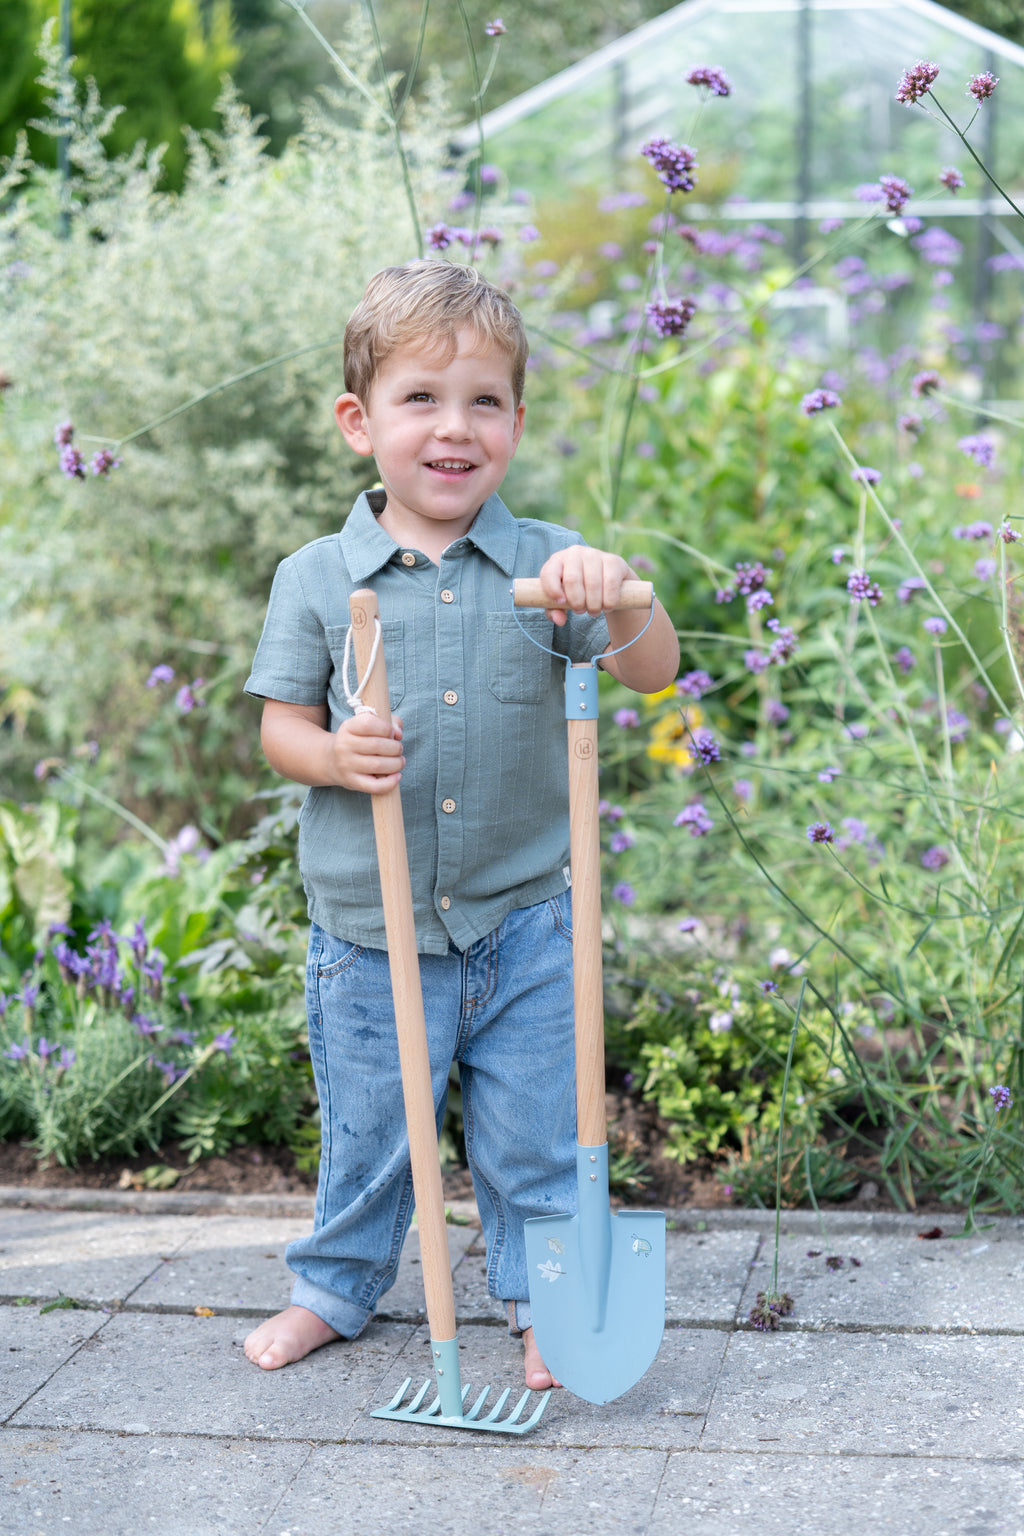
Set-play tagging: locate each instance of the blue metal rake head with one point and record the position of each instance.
(448, 1409)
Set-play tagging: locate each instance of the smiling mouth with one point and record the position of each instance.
(450, 464)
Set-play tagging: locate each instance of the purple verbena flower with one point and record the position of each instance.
(907, 588)
(862, 589)
(756, 662)
(935, 857)
(620, 841)
(866, 475)
(985, 568)
(905, 659)
(72, 463)
(161, 673)
(624, 892)
(911, 423)
(784, 646)
(896, 192)
(819, 400)
(979, 448)
(828, 774)
(694, 684)
(838, 555)
(103, 461)
(705, 747)
(951, 178)
(935, 625)
(1002, 1098)
(821, 832)
(696, 818)
(981, 86)
(768, 986)
(626, 719)
(751, 576)
(1007, 534)
(688, 925)
(670, 317)
(957, 724)
(915, 83)
(439, 237)
(63, 433)
(925, 382)
(715, 81)
(768, 1311)
(187, 697)
(743, 790)
(674, 163)
(775, 712)
(496, 28)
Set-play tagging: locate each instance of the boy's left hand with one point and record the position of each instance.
(582, 580)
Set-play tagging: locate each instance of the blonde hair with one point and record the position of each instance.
(427, 302)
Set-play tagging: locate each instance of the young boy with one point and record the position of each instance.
(435, 358)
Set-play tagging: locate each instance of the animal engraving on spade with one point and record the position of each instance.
(641, 1247)
(550, 1272)
(556, 1245)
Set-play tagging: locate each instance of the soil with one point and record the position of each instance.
(634, 1131)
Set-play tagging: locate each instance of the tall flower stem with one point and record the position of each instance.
(782, 1128)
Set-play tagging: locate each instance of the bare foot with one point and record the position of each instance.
(538, 1377)
(289, 1336)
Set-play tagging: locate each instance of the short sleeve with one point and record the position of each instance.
(293, 661)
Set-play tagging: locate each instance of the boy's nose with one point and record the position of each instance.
(454, 423)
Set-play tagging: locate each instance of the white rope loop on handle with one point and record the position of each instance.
(354, 697)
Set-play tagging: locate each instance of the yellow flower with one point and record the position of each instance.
(670, 736)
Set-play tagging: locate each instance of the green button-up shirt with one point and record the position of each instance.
(485, 787)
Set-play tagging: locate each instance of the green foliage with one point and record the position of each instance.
(712, 1058)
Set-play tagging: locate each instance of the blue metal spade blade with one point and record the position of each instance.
(597, 1287)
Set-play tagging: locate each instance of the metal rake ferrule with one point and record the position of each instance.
(415, 1413)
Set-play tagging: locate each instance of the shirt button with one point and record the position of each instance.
(408, 558)
(448, 806)
(447, 597)
(446, 902)
(451, 697)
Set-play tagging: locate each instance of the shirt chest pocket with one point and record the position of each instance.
(392, 644)
(518, 670)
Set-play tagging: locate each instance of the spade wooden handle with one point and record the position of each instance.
(396, 891)
(527, 592)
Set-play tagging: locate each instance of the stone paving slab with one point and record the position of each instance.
(720, 1495)
(158, 1374)
(238, 1262)
(34, 1346)
(862, 1393)
(90, 1255)
(663, 1411)
(126, 1485)
(904, 1282)
(496, 1489)
(706, 1274)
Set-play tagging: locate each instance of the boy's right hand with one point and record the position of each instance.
(367, 754)
(364, 754)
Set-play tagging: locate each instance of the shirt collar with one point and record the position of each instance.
(367, 547)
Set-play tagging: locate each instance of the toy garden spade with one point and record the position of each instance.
(597, 1279)
(447, 1407)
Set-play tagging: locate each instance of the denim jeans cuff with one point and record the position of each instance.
(519, 1316)
(343, 1316)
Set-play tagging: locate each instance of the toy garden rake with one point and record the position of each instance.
(597, 1279)
(447, 1407)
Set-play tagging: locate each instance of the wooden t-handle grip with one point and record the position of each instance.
(527, 593)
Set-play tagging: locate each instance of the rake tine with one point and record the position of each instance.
(396, 1401)
(517, 1410)
(420, 1395)
(535, 1416)
(471, 1413)
(499, 1405)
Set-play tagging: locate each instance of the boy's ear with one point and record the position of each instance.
(351, 419)
(517, 430)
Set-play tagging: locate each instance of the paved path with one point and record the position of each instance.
(891, 1400)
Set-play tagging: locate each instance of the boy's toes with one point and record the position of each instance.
(538, 1377)
(291, 1335)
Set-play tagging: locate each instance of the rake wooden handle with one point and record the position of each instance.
(527, 592)
(417, 1090)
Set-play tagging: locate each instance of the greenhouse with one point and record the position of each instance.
(812, 119)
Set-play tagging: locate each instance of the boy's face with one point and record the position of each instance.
(442, 433)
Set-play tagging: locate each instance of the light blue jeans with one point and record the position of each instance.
(503, 1009)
